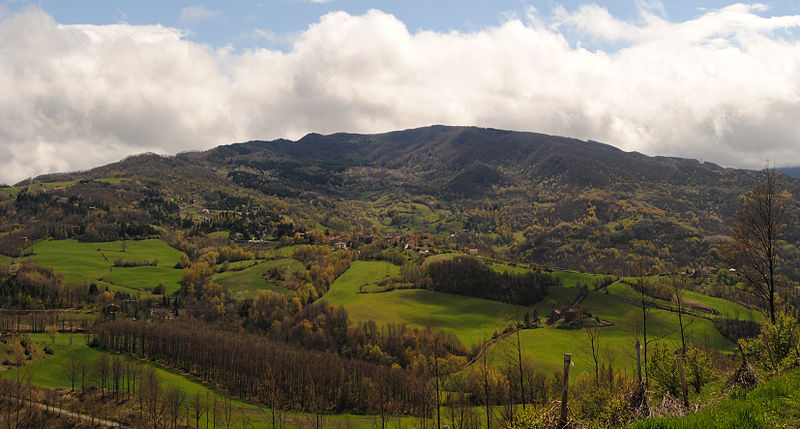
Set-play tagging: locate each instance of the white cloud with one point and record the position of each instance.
(195, 14)
(724, 87)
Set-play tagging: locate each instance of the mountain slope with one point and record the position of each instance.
(520, 196)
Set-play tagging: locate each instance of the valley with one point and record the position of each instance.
(390, 280)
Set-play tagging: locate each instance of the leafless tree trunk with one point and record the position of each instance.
(437, 382)
(73, 370)
(677, 290)
(642, 288)
(592, 329)
(486, 391)
(756, 231)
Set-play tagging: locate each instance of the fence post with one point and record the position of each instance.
(565, 390)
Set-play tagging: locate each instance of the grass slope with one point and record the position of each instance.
(774, 404)
(547, 346)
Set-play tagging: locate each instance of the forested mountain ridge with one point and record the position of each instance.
(520, 196)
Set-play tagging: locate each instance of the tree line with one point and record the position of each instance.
(273, 373)
(466, 275)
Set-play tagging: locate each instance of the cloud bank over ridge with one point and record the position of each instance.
(723, 87)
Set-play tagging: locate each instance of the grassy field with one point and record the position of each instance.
(14, 190)
(468, 318)
(727, 309)
(247, 263)
(5, 260)
(547, 346)
(246, 283)
(87, 262)
(145, 278)
(574, 278)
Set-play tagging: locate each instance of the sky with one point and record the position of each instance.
(84, 83)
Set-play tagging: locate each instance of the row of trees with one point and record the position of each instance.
(277, 374)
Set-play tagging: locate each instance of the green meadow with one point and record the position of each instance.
(247, 282)
(86, 262)
(145, 278)
(14, 190)
(726, 309)
(471, 319)
(546, 346)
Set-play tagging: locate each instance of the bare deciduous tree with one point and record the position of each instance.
(677, 289)
(592, 330)
(756, 231)
(73, 371)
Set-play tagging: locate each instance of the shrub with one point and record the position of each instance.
(160, 289)
(604, 408)
(662, 367)
(698, 368)
(777, 347)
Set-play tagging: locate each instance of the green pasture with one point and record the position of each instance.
(87, 262)
(238, 265)
(574, 278)
(281, 252)
(546, 346)
(5, 260)
(145, 278)
(471, 319)
(727, 309)
(14, 190)
(510, 269)
(440, 257)
(50, 371)
(247, 282)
